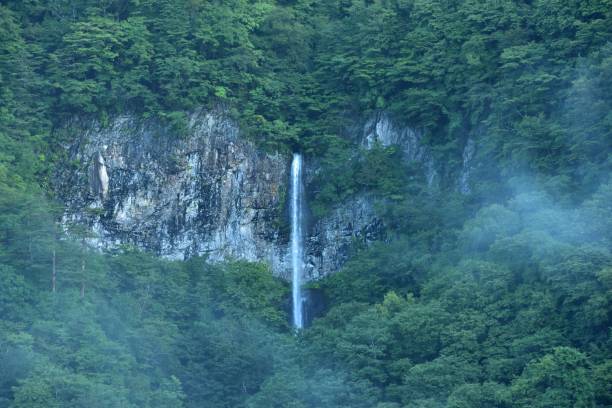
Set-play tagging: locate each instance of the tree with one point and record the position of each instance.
(559, 379)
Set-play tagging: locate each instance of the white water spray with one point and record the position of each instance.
(296, 239)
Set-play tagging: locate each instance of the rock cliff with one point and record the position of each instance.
(210, 192)
(381, 129)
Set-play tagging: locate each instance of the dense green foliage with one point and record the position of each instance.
(499, 298)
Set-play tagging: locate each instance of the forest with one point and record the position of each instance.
(499, 298)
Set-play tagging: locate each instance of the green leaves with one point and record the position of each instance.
(558, 379)
(16, 296)
(245, 288)
(488, 319)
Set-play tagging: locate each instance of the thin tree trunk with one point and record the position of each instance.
(53, 273)
(82, 267)
(82, 277)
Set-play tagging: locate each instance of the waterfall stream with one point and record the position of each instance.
(296, 240)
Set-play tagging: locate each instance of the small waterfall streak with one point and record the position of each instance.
(296, 240)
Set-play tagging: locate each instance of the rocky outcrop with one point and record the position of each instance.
(350, 224)
(380, 128)
(208, 192)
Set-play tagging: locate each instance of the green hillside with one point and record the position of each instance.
(497, 298)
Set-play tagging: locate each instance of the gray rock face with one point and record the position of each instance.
(468, 157)
(352, 223)
(209, 193)
(381, 129)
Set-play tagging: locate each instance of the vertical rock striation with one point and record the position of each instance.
(351, 223)
(466, 169)
(98, 176)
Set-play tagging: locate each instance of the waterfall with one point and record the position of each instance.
(296, 239)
